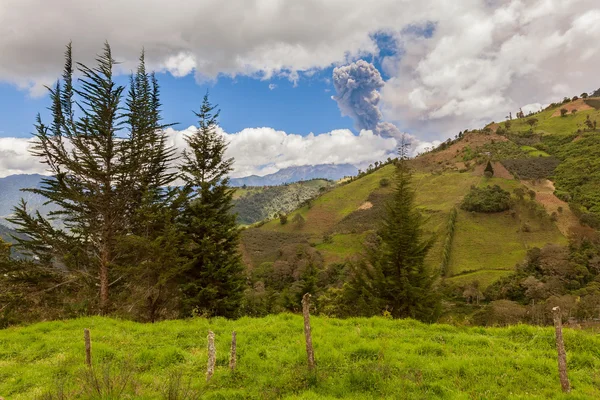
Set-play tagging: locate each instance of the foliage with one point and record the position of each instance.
(393, 275)
(257, 204)
(532, 167)
(447, 249)
(577, 177)
(102, 183)
(489, 199)
(213, 280)
(555, 274)
(489, 170)
(283, 218)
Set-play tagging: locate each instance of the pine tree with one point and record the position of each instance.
(107, 185)
(489, 170)
(393, 275)
(150, 247)
(214, 278)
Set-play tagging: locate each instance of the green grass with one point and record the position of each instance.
(548, 124)
(342, 247)
(495, 242)
(356, 359)
(334, 205)
(533, 152)
(484, 277)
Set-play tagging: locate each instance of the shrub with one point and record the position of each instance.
(488, 200)
(532, 167)
(385, 182)
(563, 112)
(283, 218)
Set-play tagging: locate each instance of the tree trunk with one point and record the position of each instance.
(307, 331)
(560, 347)
(103, 286)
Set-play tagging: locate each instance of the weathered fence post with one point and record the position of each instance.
(232, 355)
(88, 347)
(560, 347)
(212, 356)
(307, 335)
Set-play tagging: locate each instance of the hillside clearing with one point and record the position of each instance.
(357, 359)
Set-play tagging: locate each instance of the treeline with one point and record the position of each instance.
(564, 276)
(143, 233)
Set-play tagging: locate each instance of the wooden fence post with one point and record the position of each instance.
(88, 347)
(560, 347)
(232, 355)
(307, 334)
(212, 356)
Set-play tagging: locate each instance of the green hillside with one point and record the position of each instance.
(337, 222)
(356, 359)
(484, 246)
(256, 203)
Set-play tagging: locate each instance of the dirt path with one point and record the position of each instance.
(544, 194)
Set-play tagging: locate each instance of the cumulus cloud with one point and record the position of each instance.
(262, 151)
(16, 159)
(258, 151)
(272, 86)
(453, 64)
(488, 58)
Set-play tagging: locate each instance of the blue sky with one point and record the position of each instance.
(245, 103)
(446, 66)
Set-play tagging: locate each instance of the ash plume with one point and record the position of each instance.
(357, 86)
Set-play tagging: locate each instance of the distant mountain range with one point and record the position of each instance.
(11, 194)
(297, 174)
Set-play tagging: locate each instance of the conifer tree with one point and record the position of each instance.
(393, 275)
(213, 282)
(95, 173)
(150, 247)
(489, 170)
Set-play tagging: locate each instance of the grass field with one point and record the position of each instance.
(356, 359)
(557, 125)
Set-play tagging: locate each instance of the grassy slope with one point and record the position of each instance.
(490, 244)
(556, 125)
(485, 247)
(357, 358)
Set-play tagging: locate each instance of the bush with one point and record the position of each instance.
(532, 167)
(385, 182)
(488, 200)
(283, 219)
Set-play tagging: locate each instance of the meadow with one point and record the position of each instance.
(357, 358)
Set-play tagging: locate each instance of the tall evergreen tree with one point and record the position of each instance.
(213, 282)
(100, 179)
(150, 248)
(393, 275)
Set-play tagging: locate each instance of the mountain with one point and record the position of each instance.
(11, 194)
(296, 174)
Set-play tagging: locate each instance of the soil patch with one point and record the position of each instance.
(579, 105)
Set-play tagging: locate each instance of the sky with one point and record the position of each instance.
(308, 82)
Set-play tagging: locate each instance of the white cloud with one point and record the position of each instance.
(262, 151)
(488, 58)
(272, 86)
(16, 159)
(258, 151)
(484, 58)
